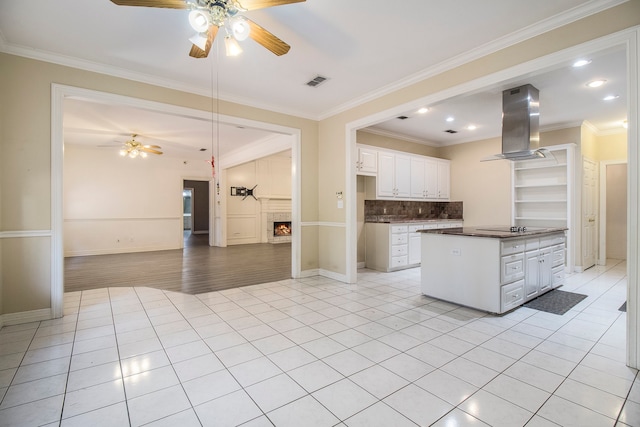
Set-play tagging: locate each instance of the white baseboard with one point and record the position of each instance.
(309, 273)
(119, 250)
(333, 275)
(26, 317)
(324, 273)
(361, 264)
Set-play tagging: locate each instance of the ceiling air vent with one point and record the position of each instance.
(402, 117)
(451, 131)
(316, 81)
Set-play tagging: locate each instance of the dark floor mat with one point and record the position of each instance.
(556, 302)
(623, 307)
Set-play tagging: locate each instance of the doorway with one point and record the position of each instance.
(613, 211)
(187, 211)
(195, 211)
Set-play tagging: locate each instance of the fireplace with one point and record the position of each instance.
(282, 228)
(279, 227)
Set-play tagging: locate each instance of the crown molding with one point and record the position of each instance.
(514, 38)
(591, 127)
(96, 67)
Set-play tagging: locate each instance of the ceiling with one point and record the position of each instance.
(365, 48)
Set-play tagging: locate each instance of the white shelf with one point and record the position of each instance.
(558, 165)
(541, 201)
(540, 191)
(540, 185)
(528, 218)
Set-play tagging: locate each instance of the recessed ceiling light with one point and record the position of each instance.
(610, 97)
(423, 110)
(581, 62)
(596, 83)
(450, 119)
(471, 127)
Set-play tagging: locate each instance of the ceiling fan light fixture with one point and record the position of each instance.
(199, 21)
(200, 40)
(231, 45)
(240, 28)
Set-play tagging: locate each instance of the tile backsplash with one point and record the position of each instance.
(406, 209)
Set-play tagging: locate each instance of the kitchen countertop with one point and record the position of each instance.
(397, 219)
(493, 231)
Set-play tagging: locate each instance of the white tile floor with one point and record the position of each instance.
(315, 352)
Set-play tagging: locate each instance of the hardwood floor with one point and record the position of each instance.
(196, 269)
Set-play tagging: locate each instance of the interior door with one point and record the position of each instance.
(589, 213)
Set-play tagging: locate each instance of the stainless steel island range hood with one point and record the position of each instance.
(520, 125)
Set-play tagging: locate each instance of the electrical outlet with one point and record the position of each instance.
(456, 252)
(384, 210)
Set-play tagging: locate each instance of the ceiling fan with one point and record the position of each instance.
(208, 16)
(133, 148)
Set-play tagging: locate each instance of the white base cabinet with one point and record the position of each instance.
(390, 247)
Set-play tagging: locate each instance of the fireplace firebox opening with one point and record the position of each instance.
(282, 228)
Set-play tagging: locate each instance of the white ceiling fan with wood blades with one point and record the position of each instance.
(208, 16)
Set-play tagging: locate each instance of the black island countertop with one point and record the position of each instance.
(496, 232)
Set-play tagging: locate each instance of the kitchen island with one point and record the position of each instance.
(491, 268)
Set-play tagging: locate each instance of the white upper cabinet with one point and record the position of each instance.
(403, 176)
(407, 176)
(418, 178)
(444, 177)
(385, 183)
(367, 163)
(394, 175)
(429, 178)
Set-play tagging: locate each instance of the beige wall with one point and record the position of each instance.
(115, 204)
(588, 143)
(368, 138)
(612, 147)
(25, 159)
(570, 135)
(483, 187)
